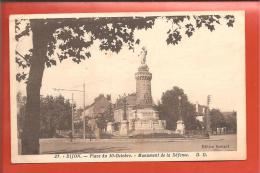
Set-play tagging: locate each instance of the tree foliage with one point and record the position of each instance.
(171, 108)
(218, 120)
(71, 38)
(55, 114)
(21, 101)
(105, 117)
(231, 122)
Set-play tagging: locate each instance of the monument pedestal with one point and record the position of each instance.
(147, 114)
(110, 128)
(124, 128)
(180, 129)
(150, 125)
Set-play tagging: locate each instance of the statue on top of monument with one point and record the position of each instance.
(143, 54)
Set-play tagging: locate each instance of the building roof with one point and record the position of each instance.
(101, 96)
(200, 109)
(99, 106)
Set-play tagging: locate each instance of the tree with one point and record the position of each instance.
(105, 117)
(21, 101)
(78, 123)
(71, 38)
(216, 119)
(55, 114)
(170, 108)
(231, 122)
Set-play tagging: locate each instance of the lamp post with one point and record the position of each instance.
(84, 118)
(72, 116)
(124, 126)
(125, 108)
(180, 116)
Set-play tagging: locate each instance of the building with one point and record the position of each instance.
(97, 109)
(201, 111)
(101, 108)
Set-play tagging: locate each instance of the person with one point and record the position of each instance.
(90, 136)
(70, 136)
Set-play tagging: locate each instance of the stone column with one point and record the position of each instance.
(143, 87)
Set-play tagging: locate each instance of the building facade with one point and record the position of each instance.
(100, 105)
(96, 113)
(201, 111)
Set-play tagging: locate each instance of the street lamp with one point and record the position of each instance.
(180, 116)
(125, 107)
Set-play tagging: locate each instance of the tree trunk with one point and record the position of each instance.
(31, 130)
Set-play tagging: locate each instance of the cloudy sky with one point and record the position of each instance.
(208, 63)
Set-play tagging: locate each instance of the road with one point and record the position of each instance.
(62, 145)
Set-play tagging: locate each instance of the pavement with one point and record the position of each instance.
(64, 145)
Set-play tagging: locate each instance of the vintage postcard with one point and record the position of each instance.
(118, 87)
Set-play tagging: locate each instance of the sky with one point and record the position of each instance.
(208, 63)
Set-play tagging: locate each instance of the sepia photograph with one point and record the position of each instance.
(147, 86)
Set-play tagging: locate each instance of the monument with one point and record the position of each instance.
(143, 83)
(136, 112)
(147, 118)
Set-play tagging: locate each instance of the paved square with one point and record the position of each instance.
(62, 145)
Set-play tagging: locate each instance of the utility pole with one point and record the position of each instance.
(73, 90)
(72, 115)
(207, 114)
(84, 118)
